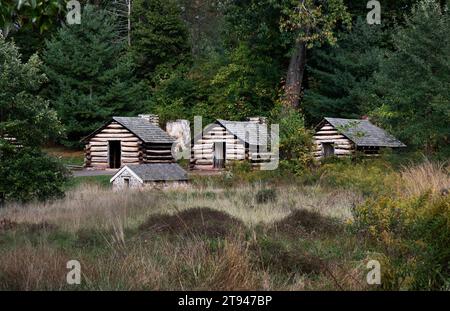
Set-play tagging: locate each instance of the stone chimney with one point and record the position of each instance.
(152, 118)
(257, 120)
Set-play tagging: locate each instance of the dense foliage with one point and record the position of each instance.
(26, 172)
(91, 77)
(159, 37)
(414, 234)
(411, 91)
(292, 61)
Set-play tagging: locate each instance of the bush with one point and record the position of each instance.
(415, 234)
(29, 174)
(368, 176)
(295, 139)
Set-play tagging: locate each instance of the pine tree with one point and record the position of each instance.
(91, 75)
(338, 74)
(26, 172)
(23, 114)
(159, 36)
(411, 91)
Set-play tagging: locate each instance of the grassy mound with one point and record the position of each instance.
(196, 221)
(302, 221)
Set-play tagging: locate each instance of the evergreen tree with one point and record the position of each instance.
(159, 36)
(411, 91)
(26, 172)
(338, 74)
(91, 76)
(23, 114)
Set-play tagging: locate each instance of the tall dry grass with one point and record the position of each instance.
(427, 176)
(90, 206)
(28, 267)
(128, 259)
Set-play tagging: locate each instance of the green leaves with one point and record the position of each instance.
(26, 173)
(25, 115)
(314, 22)
(34, 14)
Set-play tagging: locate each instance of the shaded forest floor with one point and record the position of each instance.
(243, 230)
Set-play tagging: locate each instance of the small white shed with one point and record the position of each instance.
(150, 176)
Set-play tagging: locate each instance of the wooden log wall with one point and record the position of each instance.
(343, 147)
(157, 153)
(202, 152)
(96, 151)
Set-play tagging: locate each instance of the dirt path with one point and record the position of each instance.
(111, 172)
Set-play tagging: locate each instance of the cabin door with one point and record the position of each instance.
(114, 153)
(219, 154)
(328, 150)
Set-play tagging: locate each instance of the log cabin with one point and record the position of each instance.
(347, 137)
(223, 142)
(127, 140)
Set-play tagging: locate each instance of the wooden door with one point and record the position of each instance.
(328, 150)
(219, 155)
(114, 154)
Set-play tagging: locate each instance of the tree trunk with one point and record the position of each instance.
(295, 73)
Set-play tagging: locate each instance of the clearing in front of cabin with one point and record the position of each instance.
(242, 230)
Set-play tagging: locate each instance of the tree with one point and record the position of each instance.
(23, 114)
(38, 14)
(158, 37)
(337, 75)
(286, 29)
(312, 23)
(411, 91)
(245, 85)
(204, 20)
(26, 173)
(91, 76)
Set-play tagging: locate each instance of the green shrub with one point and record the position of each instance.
(367, 176)
(415, 234)
(28, 174)
(295, 139)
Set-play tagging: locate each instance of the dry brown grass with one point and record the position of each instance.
(30, 267)
(91, 206)
(428, 176)
(154, 261)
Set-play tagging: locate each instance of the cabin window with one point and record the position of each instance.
(328, 150)
(114, 154)
(126, 181)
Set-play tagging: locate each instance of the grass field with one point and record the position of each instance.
(224, 233)
(67, 156)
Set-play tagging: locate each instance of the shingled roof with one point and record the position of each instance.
(157, 172)
(248, 132)
(364, 134)
(142, 128)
